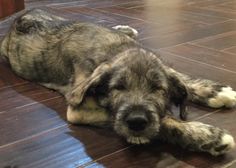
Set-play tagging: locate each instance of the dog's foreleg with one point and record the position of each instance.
(196, 136)
(207, 92)
(87, 113)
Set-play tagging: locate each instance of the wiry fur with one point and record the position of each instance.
(196, 136)
(206, 92)
(105, 74)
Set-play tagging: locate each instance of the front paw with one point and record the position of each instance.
(226, 97)
(87, 113)
(219, 146)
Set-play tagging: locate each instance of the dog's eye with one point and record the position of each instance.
(154, 87)
(119, 87)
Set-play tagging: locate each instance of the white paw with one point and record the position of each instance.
(226, 97)
(227, 143)
(228, 140)
(119, 27)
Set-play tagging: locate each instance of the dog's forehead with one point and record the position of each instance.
(139, 66)
(138, 75)
(139, 63)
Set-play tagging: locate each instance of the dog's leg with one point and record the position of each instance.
(127, 30)
(212, 94)
(88, 112)
(196, 136)
(207, 92)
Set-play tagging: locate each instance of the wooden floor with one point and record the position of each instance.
(197, 37)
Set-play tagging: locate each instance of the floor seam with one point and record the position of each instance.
(192, 60)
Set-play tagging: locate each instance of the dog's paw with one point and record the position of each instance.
(221, 146)
(196, 136)
(127, 30)
(226, 97)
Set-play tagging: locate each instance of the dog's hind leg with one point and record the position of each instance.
(196, 136)
(127, 30)
(206, 92)
(212, 94)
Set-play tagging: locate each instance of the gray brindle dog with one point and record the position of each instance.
(108, 77)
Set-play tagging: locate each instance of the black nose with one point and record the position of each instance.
(137, 121)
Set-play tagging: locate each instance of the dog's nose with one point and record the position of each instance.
(137, 121)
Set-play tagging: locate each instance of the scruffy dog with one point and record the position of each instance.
(107, 76)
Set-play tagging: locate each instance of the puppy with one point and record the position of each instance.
(107, 76)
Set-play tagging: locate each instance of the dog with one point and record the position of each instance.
(107, 76)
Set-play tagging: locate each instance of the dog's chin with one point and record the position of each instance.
(137, 138)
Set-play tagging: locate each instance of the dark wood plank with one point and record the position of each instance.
(199, 35)
(228, 6)
(146, 29)
(23, 95)
(115, 19)
(50, 134)
(30, 120)
(207, 56)
(231, 50)
(189, 35)
(7, 77)
(160, 17)
(201, 70)
(208, 11)
(133, 5)
(219, 42)
(90, 3)
(200, 3)
(47, 139)
(61, 147)
(40, 3)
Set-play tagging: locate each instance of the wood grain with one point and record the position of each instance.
(196, 37)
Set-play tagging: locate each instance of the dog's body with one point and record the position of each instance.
(105, 74)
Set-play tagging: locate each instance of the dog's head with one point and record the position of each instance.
(137, 90)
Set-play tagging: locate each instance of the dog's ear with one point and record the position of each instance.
(178, 94)
(76, 95)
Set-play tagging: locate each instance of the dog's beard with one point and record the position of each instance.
(137, 137)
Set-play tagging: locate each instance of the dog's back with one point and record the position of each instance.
(46, 48)
(29, 49)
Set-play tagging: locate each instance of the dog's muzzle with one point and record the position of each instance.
(137, 120)
(137, 123)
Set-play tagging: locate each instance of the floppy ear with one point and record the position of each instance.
(178, 94)
(76, 95)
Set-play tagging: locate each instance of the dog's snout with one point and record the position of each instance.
(137, 121)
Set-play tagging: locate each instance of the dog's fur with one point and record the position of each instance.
(105, 75)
